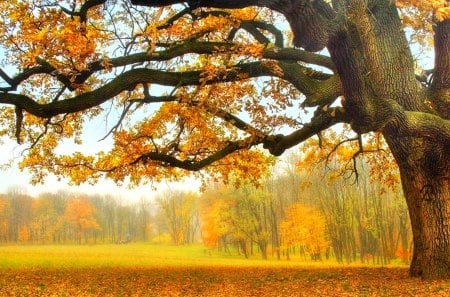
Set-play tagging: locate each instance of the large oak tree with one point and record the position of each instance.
(232, 79)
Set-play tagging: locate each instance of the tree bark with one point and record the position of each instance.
(431, 233)
(425, 175)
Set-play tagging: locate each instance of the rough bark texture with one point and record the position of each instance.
(425, 174)
(377, 71)
(441, 78)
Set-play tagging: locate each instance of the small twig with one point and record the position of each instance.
(59, 94)
(126, 109)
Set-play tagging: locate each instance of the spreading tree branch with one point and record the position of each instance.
(322, 120)
(177, 50)
(130, 79)
(168, 160)
(313, 22)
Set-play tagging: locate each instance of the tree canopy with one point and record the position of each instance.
(190, 85)
(71, 61)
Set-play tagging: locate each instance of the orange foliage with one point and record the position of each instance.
(405, 255)
(210, 221)
(304, 227)
(4, 226)
(46, 34)
(421, 15)
(79, 212)
(214, 213)
(347, 158)
(440, 8)
(24, 234)
(73, 43)
(191, 128)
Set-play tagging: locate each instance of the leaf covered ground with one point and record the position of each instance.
(216, 281)
(140, 269)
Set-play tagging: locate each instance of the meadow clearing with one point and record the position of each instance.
(154, 270)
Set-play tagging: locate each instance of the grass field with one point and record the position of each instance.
(153, 270)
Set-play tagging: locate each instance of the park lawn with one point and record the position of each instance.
(152, 270)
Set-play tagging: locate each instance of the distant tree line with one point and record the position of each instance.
(62, 217)
(311, 214)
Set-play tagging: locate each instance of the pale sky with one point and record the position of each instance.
(12, 177)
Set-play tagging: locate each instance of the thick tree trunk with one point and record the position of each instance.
(429, 208)
(376, 70)
(428, 202)
(425, 175)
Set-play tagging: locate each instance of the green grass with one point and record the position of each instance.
(140, 269)
(133, 255)
(96, 255)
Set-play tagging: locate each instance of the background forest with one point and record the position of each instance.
(307, 213)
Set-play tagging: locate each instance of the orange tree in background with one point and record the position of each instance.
(238, 216)
(304, 227)
(4, 226)
(216, 225)
(236, 77)
(79, 213)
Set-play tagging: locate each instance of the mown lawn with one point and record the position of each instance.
(149, 270)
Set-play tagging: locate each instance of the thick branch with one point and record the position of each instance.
(425, 125)
(311, 21)
(325, 93)
(196, 3)
(155, 99)
(293, 72)
(252, 30)
(321, 121)
(19, 120)
(188, 47)
(316, 92)
(293, 54)
(126, 81)
(168, 160)
(276, 144)
(441, 77)
(279, 39)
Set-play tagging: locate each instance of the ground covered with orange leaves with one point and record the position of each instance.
(216, 281)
